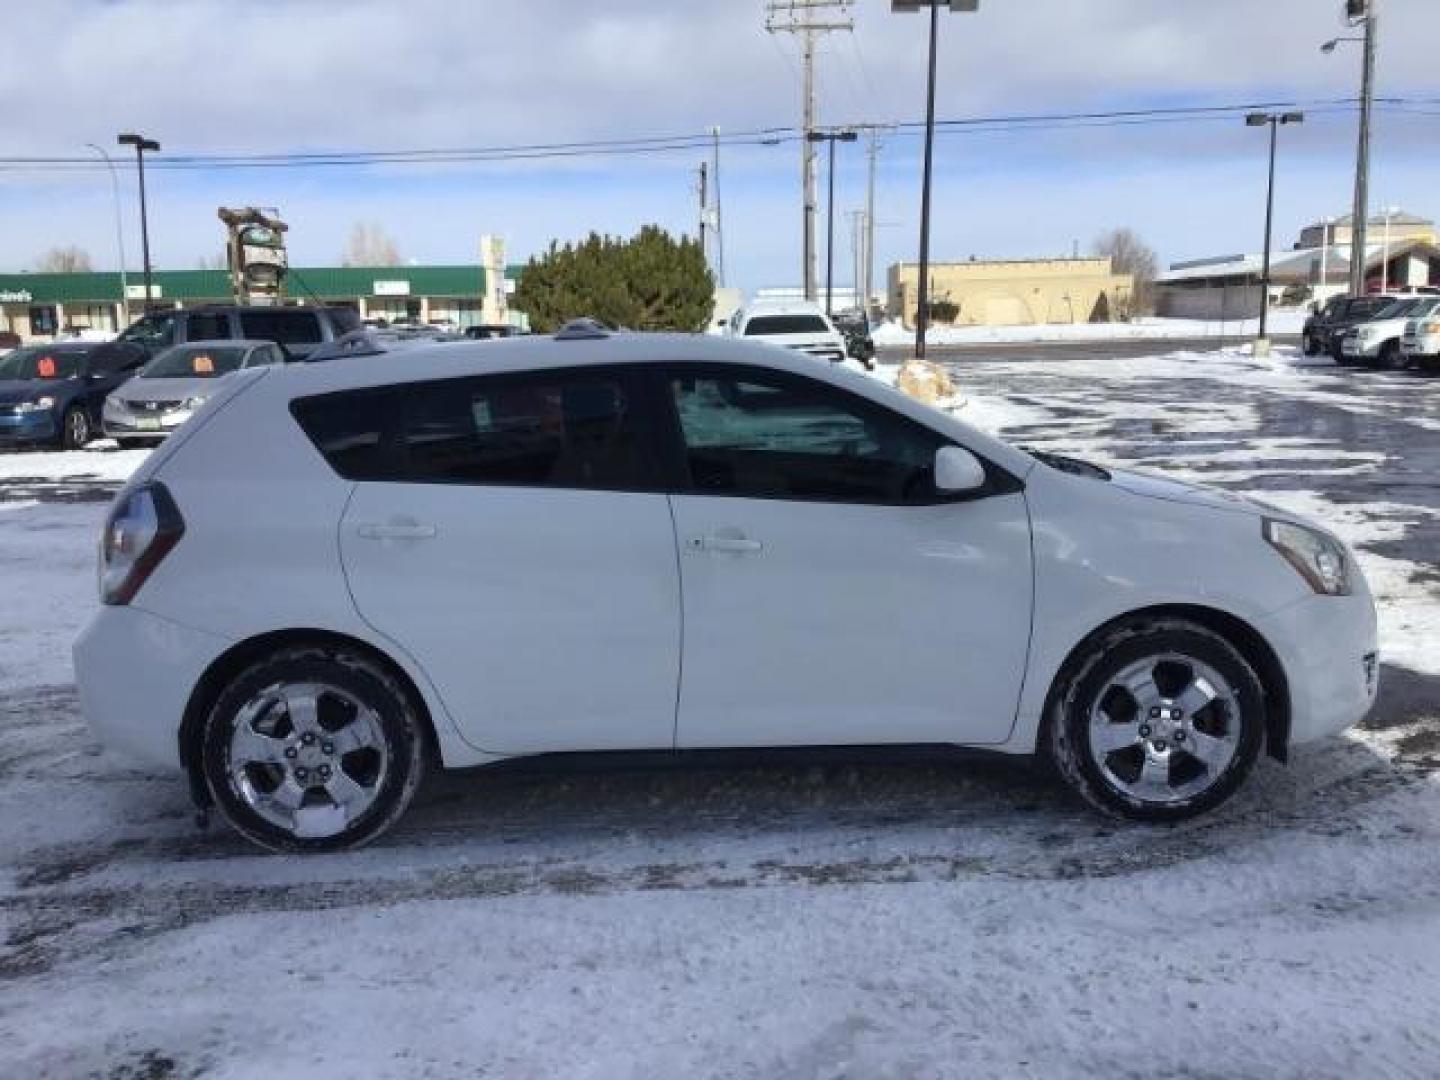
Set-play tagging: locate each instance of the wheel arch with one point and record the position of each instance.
(1250, 643)
(240, 655)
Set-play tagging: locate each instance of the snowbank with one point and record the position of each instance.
(1280, 322)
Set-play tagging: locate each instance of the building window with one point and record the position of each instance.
(90, 317)
(42, 320)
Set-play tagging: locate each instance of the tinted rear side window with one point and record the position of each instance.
(207, 326)
(551, 429)
(286, 327)
(786, 324)
(349, 430)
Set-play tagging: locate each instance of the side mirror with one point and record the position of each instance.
(958, 470)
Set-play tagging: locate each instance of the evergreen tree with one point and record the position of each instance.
(649, 282)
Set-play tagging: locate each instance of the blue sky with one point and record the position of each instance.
(373, 75)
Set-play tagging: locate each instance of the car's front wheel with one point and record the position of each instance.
(74, 428)
(1158, 719)
(313, 749)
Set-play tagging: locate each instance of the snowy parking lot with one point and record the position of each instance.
(796, 919)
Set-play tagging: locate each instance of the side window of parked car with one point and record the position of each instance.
(207, 326)
(553, 429)
(773, 436)
(286, 327)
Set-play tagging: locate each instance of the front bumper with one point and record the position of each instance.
(136, 672)
(1328, 648)
(127, 424)
(28, 427)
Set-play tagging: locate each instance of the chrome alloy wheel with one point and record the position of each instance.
(1165, 728)
(308, 758)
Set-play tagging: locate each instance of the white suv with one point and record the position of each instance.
(337, 575)
(803, 327)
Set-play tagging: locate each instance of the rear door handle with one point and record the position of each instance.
(395, 531)
(734, 545)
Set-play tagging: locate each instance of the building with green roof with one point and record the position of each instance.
(39, 306)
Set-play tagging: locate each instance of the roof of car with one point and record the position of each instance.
(227, 343)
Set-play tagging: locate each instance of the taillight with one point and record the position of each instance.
(140, 531)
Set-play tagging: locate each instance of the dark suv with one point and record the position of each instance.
(1324, 329)
(300, 329)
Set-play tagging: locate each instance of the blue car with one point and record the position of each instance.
(52, 394)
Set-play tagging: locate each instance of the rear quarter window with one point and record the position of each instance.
(292, 327)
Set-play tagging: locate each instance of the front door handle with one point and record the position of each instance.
(732, 545)
(395, 531)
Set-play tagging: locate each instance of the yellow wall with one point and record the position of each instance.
(1009, 293)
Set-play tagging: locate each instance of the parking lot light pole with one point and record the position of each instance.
(922, 310)
(831, 137)
(1361, 13)
(1274, 120)
(141, 144)
(119, 230)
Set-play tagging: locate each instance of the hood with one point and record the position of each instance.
(1156, 487)
(141, 389)
(13, 391)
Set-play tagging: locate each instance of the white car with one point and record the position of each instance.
(337, 575)
(803, 327)
(1378, 340)
(1420, 345)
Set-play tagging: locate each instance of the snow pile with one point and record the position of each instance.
(1280, 322)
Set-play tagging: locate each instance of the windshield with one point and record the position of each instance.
(194, 362)
(786, 324)
(1397, 309)
(39, 362)
(151, 331)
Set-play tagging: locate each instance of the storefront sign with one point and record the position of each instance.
(391, 288)
(16, 296)
(137, 292)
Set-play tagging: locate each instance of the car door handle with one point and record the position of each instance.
(734, 545)
(395, 531)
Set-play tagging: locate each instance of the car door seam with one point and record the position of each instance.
(680, 652)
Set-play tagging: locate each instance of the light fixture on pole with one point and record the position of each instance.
(1360, 12)
(922, 309)
(142, 144)
(119, 233)
(831, 137)
(1274, 120)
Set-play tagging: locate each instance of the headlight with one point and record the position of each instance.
(40, 404)
(1318, 558)
(115, 405)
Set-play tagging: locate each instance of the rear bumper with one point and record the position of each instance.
(136, 672)
(1328, 647)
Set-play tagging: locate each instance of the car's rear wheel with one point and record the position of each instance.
(1158, 720)
(1312, 347)
(313, 750)
(74, 428)
(1390, 359)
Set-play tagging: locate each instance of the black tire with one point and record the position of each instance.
(1312, 347)
(75, 428)
(1066, 742)
(1390, 359)
(400, 722)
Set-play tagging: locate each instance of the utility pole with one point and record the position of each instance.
(1363, 9)
(858, 221)
(807, 19)
(704, 208)
(719, 220)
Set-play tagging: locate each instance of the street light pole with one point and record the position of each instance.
(141, 144)
(1361, 11)
(922, 310)
(831, 137)
(1274, 120)
(119, 232)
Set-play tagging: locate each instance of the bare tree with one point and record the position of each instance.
(1129, 254)
(64, 260)
(370, 245)
(212, 262)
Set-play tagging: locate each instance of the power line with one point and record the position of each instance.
(768, 136)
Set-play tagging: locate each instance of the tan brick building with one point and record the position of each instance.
(1014, 292)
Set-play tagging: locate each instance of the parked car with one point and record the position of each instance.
(1321, 331)
(855, 328)
(797, 325)
(1376, 341)
(52, 394)
(491, 330)
(345, 573)
(169, 389)
(9, 341)
(1420, 344)
(299, 329)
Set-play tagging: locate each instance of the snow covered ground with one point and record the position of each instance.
(1279, 322)
(814, 920)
